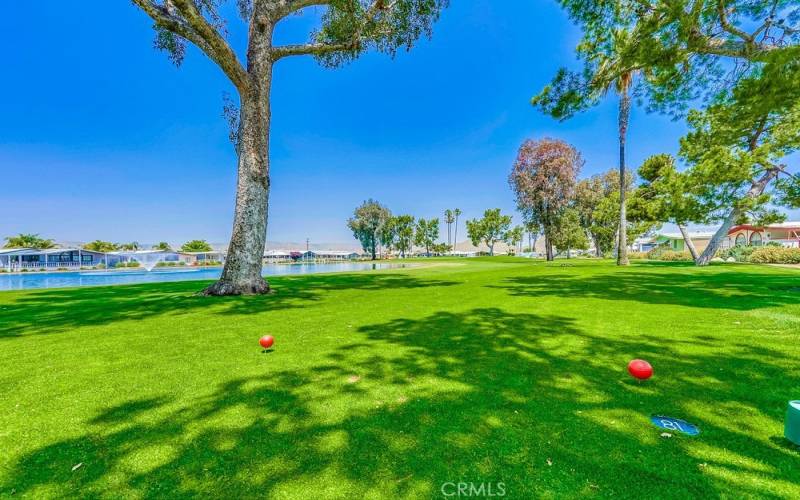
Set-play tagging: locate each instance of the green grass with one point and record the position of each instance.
(390, 383)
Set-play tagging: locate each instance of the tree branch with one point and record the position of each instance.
(326, 48)
(191, 25)
(729, 48)
(727, 26)
(309, 48)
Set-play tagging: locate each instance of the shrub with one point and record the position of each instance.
(672, 256)
(776, 255)
(655, 252)
(740, 253)
(637, 255)
(664, 253)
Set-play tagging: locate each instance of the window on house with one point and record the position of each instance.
(741, 240)
(755, 239)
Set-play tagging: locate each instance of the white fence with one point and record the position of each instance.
(18, 266)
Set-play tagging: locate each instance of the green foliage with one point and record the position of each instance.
(739, 142)
(489, 229)
(402, 228)
(28, 241)
(196, 246)
(597, 203)
(427, 232)
(687, 52)
(101, 246)
(163, 246)
(513, 236)
(666, 195)
(383, 26)
(775, 255)
(673, 256)
(440, 248)
(568, 233)
(367, 222)
(740, 253)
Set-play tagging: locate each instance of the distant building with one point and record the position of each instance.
(34, 259)
(200, 257)
(329, 255)
(675, 241)
(271, 256)
(785, 233)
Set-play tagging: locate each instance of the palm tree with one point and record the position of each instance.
(28, 241)
(448, 219)
(132, 246)
(612, 72)
(623, 85)
(456, 212)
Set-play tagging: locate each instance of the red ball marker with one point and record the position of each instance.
(266, 341)
(640, 369)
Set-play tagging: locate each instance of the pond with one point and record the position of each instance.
(33, 280)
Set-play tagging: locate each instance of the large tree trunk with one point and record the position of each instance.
(597, 252)
(242, 271)
(688, 241)
(374, 245)
(548, 247)
(757, 189)
(624, 114)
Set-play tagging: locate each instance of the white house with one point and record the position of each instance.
(34, 259)
(271, 256)
(329, 255)
(785, 233)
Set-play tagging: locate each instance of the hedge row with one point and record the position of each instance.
(775, 255)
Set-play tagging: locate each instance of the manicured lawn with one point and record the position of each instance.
(390, 383)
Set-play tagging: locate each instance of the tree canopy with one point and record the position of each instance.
(685, 50)
(568, 234)
(196, 246)
(101, 246)
(367, 222)
(489, 229)
(427, 232)
(402, 228)
(543, 179)
(28, 241)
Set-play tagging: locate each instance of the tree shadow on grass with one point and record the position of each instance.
(55, 310)
(479, 396)
(668, 283)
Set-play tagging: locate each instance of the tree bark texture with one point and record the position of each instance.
(688, 240)
(241, 274)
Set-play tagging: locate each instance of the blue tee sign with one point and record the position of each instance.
(675, 424)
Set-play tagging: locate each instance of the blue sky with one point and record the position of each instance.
(102, 137)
